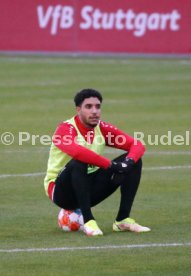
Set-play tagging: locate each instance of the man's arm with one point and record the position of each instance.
(121, 140)
(65, 139)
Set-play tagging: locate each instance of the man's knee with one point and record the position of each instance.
(77, 165)
(139, 163)
(137, 168)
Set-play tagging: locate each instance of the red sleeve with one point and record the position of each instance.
(120, 140)
(64, 139)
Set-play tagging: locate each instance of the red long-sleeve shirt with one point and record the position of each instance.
(113, 138)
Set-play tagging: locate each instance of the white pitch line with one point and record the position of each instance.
(167, 168)
(156, 153)
(183, 152)
(22, 174)
(145, 169)
(108, 151)
(104, 247)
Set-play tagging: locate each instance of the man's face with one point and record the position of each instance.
(89, 112)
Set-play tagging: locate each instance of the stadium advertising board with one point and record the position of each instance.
(96, 26)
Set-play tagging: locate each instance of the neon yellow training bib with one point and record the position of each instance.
(58, 159)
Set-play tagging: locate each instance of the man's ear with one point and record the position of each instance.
(78, 109)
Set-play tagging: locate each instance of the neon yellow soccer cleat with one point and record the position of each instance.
(129, 224)
(91, 228)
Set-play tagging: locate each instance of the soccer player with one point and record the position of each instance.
(79, 176)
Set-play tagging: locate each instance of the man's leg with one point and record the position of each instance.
(105, 183)
(129, 186)
(72, 189)
(81, 183)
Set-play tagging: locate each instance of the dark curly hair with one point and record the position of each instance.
(86, 93)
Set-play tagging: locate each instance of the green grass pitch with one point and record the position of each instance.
(148, 95)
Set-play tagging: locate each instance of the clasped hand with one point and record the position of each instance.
(122, 167)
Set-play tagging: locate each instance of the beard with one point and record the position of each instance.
(91, 122)
(91, 125)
